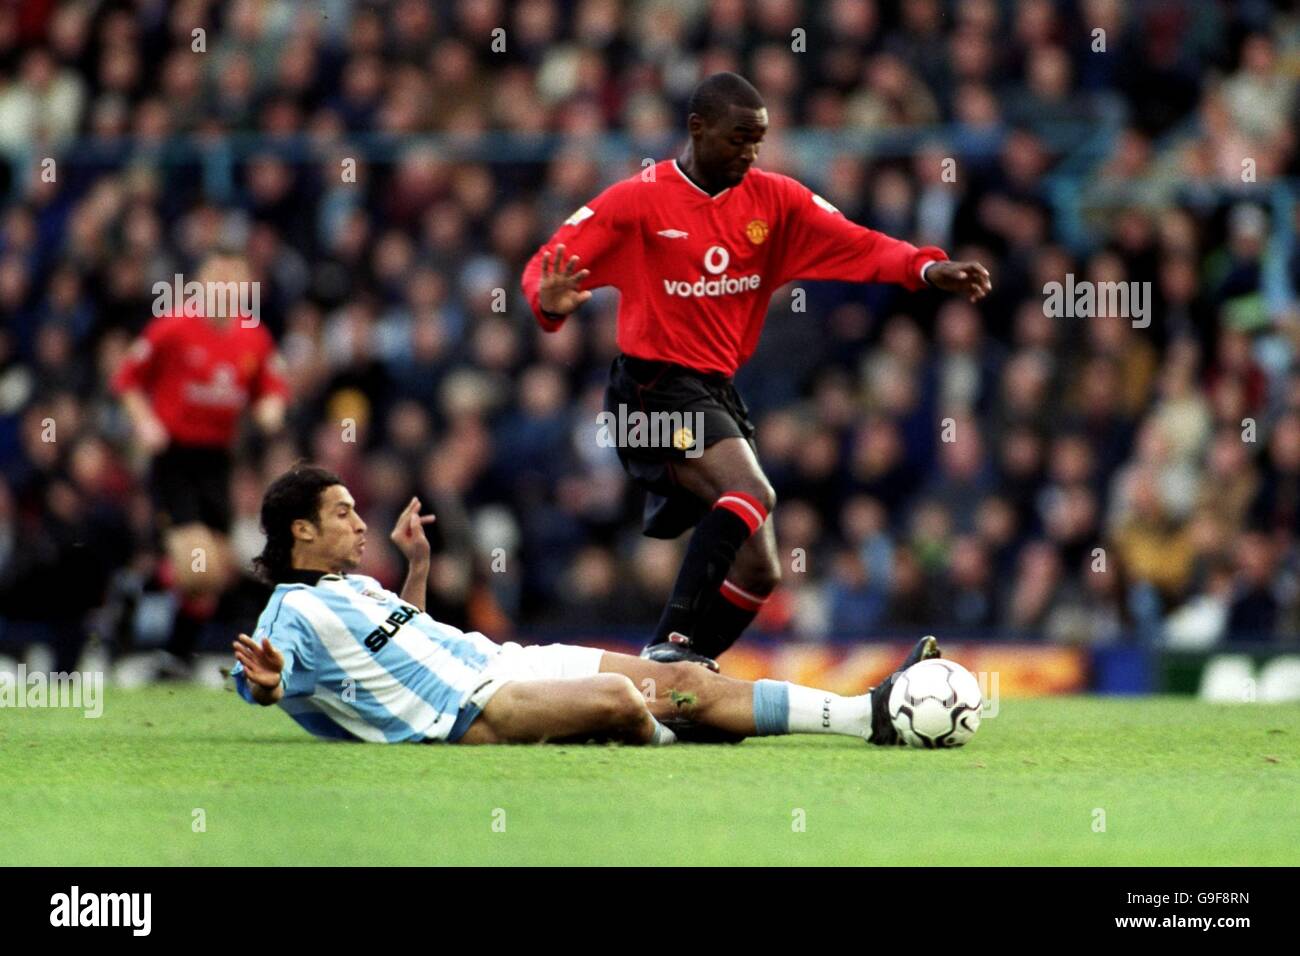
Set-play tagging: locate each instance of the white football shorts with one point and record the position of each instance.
(535, 662)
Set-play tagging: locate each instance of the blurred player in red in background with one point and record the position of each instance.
(186, 383)
(696, 246)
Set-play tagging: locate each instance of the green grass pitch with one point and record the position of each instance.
(1047, 781)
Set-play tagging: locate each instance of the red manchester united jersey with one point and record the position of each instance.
(200, 377)
(696, 272)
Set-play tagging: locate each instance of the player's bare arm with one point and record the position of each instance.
(263, 665)
(560, 291)
(408, 535)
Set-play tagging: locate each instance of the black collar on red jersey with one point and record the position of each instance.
(700, 189)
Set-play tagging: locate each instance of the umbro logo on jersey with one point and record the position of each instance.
(673, 234)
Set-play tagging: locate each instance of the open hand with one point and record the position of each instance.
(559, 292)
(262, 665)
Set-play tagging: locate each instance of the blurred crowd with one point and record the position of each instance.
(989, 469)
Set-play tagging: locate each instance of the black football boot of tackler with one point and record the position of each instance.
(677, 648)
(882, 728)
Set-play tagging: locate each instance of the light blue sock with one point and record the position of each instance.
(771, 707)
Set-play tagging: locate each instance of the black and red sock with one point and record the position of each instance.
(735, 516)
(725, 618)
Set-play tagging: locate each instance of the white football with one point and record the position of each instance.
(936, 703)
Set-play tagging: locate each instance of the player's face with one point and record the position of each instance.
(341, 541)
(224, 269)
(728, 148)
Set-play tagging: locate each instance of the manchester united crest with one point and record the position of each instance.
(756, 231)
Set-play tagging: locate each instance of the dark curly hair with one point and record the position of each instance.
(294, 495)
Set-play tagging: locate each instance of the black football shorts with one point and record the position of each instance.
(189, 484)
(684, 412)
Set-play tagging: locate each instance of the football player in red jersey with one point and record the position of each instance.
(696, 250)
(185, 383)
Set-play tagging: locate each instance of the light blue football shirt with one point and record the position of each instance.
(360, 663)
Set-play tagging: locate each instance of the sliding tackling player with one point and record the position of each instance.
(350, 660)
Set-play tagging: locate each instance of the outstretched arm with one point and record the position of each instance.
(820, 243)
(583, 254)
